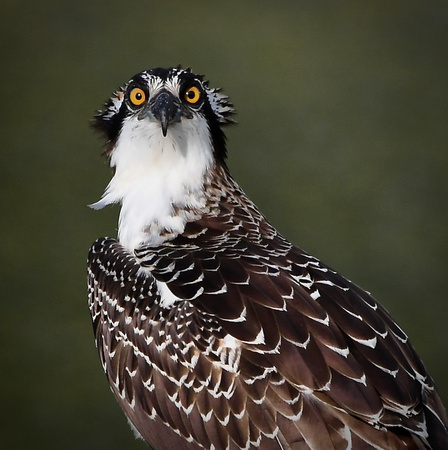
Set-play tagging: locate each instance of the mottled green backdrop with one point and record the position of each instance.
(342, 141)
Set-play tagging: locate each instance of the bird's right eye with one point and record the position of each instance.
(137, 96)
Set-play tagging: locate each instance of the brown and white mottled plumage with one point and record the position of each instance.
(216, 332)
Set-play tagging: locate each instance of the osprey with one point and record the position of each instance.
(213, 330)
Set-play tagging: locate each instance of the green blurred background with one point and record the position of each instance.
(342, 142)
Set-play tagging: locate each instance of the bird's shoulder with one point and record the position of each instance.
(295, 326)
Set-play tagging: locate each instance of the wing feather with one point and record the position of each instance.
(264, 344)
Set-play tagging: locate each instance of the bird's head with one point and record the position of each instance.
(165, 103)
(163, 134)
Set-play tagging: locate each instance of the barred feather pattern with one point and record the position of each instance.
(258, 344)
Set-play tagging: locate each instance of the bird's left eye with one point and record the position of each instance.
(137, 96)
(192, 95)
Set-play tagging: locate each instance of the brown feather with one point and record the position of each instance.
(264, 346)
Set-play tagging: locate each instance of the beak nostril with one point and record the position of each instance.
(166, 109)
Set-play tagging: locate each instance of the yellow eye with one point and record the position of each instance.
(137, 96)
(192, 95)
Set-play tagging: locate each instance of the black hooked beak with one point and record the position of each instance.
(166, 109)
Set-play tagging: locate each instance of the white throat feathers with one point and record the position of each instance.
(158, 180)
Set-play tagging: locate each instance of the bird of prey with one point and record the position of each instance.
(214, 331)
